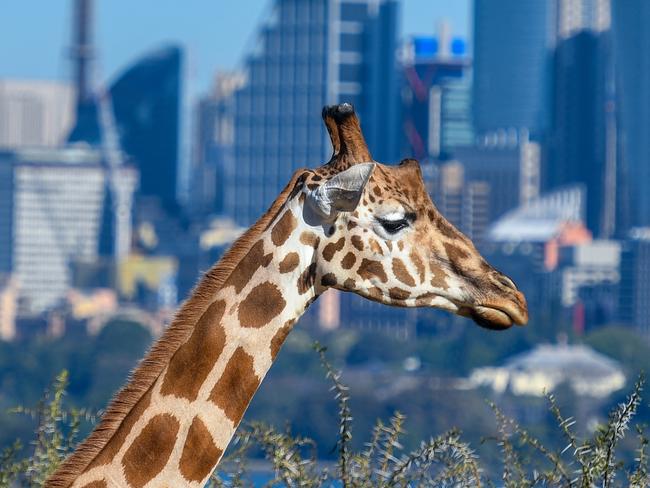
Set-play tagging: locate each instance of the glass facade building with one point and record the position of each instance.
(513, 40)
(632, 45)
(310, 53)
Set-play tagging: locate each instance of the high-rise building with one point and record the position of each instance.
(52, 207)
(310, 53)
(34, 113)
(146, 101)
(631, 45)
(634, 293)
(485, 181)
(513, 40)
(436, 97)
(582, 142)
(213, 143)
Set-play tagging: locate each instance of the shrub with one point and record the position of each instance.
(442, 461)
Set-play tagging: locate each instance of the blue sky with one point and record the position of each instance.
(36, 33)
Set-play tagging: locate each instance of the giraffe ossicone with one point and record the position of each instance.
(352, 224)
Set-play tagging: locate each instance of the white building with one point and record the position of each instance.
(34, 113)
(55, 199)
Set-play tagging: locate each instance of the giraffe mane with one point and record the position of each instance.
(151, 366)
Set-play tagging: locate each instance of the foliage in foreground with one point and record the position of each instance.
(443, 461)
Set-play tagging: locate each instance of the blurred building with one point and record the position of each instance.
(513, 40)
(436, 96)
(634, 294)
(632, 44)
(309, 54)
(486, 180)
(525, 243)
(546, 367)
(8, 306)
(584, 125)
(146, 100)
(214, 143)
(587, 280)
(34, 113)
(52, 203)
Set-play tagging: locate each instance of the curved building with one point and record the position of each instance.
(146, 101)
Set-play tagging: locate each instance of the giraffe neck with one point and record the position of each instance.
(177, 432)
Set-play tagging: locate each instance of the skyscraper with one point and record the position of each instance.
(436, 97)
(632, 45)
(146, 101)
(310, 53)
(54, 200)
(583, 106)
(512, 64)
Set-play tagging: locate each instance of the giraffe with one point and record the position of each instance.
(352, 224)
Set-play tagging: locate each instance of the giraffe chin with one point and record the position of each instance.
(491, 318)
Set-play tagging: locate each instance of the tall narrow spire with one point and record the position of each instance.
(87, 126)
(82, 48)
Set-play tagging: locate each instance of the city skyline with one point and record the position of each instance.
(43, 51)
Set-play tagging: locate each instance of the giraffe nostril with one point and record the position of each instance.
(507, 282)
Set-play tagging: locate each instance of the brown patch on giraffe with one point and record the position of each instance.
(375, 293)
(398, 294)
(401, 273)
(328, 280)
(283, 228)
(369, 269)
(279, 338)
(236, 387)
(247, 267)
(375, 246)
(446, 228)
(351, 224)
(149, 452)
(200, 454)
(111, 449)
(332, 248)
(312, 186)
(306, 279)
(302, 198)
(309, 239)
(190, 366)
(348, 260)
(439, 279)
(389, 244)
(455, 253)
(400, 245)
(96, 484)
(357, 242)
(419, 264)
(349, 284)
(377, 191)
(289, 262)
(261, 305)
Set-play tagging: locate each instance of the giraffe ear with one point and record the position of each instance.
(342, 192)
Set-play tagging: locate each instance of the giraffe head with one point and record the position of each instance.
(383, 238)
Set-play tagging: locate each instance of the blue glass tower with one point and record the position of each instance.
(512, 64)
(146, 102)
(310, 53)
(632, 45)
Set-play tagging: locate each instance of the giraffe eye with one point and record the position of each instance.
(393, 226)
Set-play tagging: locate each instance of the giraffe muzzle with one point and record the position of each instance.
(502, 314)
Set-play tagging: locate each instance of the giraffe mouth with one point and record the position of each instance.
(498, 317)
